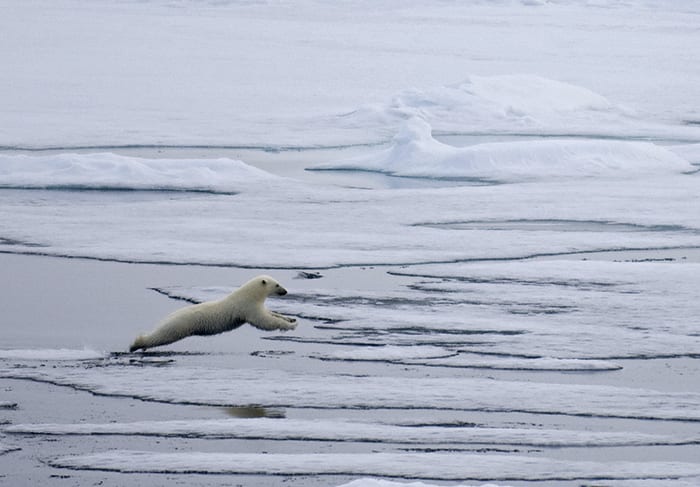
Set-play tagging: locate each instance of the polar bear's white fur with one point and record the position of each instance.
(246, 304)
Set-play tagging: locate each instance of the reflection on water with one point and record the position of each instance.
(254, 412)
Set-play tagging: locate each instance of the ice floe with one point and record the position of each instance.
(415, 153)
(518, 103)
(472, 360)
(355, 431)
(529, 315)
(371, 482)
(107, 171)
(216, 91)
(141, 77)
(276, 388)
(439, 466)
(185, 228)
(49, 354)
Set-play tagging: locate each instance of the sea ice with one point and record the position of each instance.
(519, 104)
(591, 151)
(439, 466)
(529, 315)
(276, 388)
(370, 482)
(49, 354)
(106, 171)
(415, 153)
(355, 431)
(152, 73)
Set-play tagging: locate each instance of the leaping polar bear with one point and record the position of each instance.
(245, 305)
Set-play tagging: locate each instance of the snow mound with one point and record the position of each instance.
(518, 102)
(51, 354)
(415, 153)
(111, 171)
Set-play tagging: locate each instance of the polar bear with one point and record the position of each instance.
(246, 304)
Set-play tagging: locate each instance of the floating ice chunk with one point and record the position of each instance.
(516, 363)
(343, 431)
(415, 153)
(442, 357)
(370, 482)
(112, 171)
(277, 388)
(388, 353)
(440, 466)
(49, 354)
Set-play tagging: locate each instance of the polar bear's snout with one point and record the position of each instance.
(280, 291)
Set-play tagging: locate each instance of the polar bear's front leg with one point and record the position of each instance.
(287, 318)
(269, 320)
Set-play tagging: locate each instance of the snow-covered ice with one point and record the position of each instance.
(51, 354)
(276, 388)
(370, 482)
(281, 73)
(476, 158)
(442, 466)
(346, 431)
(415, 153)
(531, 315)
(106, 171)
(141, 227)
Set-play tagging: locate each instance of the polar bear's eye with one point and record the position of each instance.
(264, 282)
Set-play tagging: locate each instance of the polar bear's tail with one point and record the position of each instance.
(140, 342)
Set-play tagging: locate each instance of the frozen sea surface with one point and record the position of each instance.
(486, 216)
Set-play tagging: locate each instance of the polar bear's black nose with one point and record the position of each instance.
(281, 291)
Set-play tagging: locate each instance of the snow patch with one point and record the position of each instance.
(370, 482)
(689, 152)
(387, 353)
(49, 354)
(439, 466)
(354, 431)
(415, 153)
(276, 388)
(475, 361)
(111, 171)
(508, 103)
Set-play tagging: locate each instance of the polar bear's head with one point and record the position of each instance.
(260, 288)
(272, 286)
